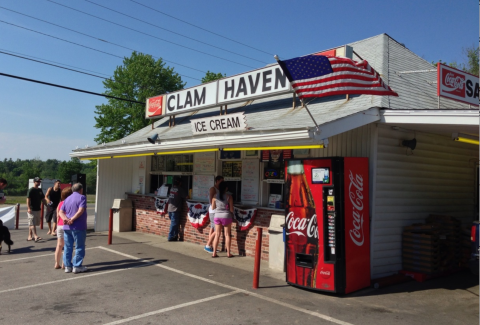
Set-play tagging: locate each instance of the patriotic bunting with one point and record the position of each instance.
(198, 214)
(161, 205)
(244, 217)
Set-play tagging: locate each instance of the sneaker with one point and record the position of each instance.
(208, 249)
(68, 269)
(79, 269)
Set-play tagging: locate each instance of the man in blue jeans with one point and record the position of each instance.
(176, 201)
(74, 214)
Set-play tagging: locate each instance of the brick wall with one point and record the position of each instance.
(243, 242)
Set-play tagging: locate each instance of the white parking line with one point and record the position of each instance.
(26, 258)
(275, 301)
(74, 277)
(171, 308)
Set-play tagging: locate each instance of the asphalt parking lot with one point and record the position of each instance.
(143, 279)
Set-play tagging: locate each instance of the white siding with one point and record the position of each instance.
(114, 179)
(439, 177)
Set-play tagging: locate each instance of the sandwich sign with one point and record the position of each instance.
(457, 85)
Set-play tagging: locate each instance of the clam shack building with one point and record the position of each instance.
(245, 127)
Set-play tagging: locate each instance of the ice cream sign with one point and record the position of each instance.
(456, 84)
(264, 82)
(221, 123)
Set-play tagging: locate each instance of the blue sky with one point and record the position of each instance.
(47, 122)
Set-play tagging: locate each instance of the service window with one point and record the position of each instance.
(232, 174)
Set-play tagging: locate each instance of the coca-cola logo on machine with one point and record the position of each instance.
(355, 193)
(296, 225)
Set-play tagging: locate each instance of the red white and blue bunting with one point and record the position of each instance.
(244, 217)
(161, 205)
(198, 214)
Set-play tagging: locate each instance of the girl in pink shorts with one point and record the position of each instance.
(223, 206)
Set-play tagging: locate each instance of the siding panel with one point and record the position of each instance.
(114, 179)
(437, 177)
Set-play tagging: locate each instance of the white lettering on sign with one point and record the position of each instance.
(355, 193)
(457, 85)
(222, 123)
(296, 225)
(254, 84)
(258, 83)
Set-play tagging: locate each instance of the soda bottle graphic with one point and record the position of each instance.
(300, 209)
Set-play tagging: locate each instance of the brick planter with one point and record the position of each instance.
(243, 242)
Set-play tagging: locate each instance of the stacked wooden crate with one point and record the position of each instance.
(421, 248)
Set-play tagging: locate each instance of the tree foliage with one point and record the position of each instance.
(212, 76)
(18, 172)
(470, 63)
(140, 77)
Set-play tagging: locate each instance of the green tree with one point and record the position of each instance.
(68, 168)
(470, 63)
(212, 76)
(140, 77)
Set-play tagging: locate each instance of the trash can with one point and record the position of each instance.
(122, 215)
(276, 255)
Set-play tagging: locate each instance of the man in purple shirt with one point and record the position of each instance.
(74, 214)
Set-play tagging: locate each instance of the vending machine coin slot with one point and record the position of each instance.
(304, 260)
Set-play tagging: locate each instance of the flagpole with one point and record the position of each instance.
(317, 128)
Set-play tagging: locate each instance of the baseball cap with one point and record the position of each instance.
(37, 179)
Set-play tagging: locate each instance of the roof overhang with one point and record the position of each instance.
(447, 117)
(234, 139)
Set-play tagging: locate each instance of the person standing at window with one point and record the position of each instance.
(211, 213)
(223, 206)
(176, 201)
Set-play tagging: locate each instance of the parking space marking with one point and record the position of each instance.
(25, 258)
(163, 310)
(75, 277)
(275, 301)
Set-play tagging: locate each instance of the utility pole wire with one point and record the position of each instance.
(170, 31)
(81, 45)
(45, 60)
(96, 38)
(70, 88)
(186, 22)
(54, 65)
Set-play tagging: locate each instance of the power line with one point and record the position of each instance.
(170, 31)
(81, 45)
(96, 38)
(53, 65)
(215, 56)
(69, 88)
(63, 64)
(186, 22)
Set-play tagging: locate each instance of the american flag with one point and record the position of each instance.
(320, 76)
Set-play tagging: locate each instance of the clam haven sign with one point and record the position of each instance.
(255, 84)
(221, 123)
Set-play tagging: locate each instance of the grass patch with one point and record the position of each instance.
(12, 200)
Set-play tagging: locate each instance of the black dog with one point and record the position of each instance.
(4, 237)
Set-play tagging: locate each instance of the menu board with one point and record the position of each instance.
(201, 187)
(204, 162)
(250, 180)
(232, 170)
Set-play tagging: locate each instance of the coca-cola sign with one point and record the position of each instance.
(296, 225)
(324, 273)
(456, 84)
(154, 106)
(355, 194)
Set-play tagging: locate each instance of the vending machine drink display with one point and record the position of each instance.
(327, 224)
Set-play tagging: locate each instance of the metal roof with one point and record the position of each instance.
(276, 114)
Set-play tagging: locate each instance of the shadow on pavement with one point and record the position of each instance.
(121, 264)
(463, 280)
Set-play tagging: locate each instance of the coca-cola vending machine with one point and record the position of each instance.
(327, 224)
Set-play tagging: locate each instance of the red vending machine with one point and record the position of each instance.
(327, 224)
